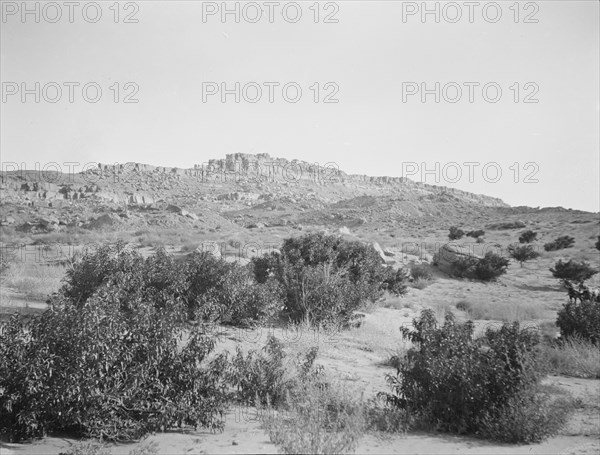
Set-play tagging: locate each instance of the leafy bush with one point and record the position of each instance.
(488, 268)
(269, 376)
(560, 243)
(456, 383)
(577, 271)
(522, 253)
(207, 287)
(157, 279)
(491, 267)
(106, 368)
(527, 237)
(475, 234)
(234, 297)
(326, 278)
(455, 233)
(581, 320)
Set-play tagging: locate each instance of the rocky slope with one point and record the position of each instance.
(240, 190)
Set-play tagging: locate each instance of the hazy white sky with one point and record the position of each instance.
(369, 54)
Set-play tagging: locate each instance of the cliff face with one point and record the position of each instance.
(246, 168)
(137, 183)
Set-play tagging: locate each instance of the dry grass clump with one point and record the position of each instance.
(324, 419)
(33, 280)
(91, 447)
(500, 311)
(572, 357)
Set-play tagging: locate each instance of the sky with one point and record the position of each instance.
(499, 98)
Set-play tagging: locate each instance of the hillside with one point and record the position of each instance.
(238, 191)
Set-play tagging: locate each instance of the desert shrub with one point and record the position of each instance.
(420, 283)
(456, 383)
(326, 278)
(522, 253)
(235, 298)
(269, 376)
(95, 267)
(506, 225)
(527, 237)
(475, 234)
(526, 418)
(464, 305)
(488, 268)
(384, 417)
(577, 271)
(322, 419)
(4, 263)
(580, 320)
(320, 294)
(88, 447)
(420, 271)
(205, 287)
(107, 368)
(525, 310)
(560, 243)
(455, 233)
(597, 244)
(571, 356)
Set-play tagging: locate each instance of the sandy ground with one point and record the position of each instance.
(356, 358)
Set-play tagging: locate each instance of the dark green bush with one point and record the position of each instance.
(597, 244)
(527, 237)
(560, 243)
(522, 253)
(491, 267)
(234, 296)
(108, 369)
(456, 383)
(488, 268)
(421, 271)
(580, 320)
(455, 233)
(107, 359)
(157, 279)
(577, 271)
(475, 234)
(207, 287)
(326, 278)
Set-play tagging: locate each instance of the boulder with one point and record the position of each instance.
(102, 221)
(141, 198)
(173, 208)
(379, 251)
(344, 231)
(256, 226)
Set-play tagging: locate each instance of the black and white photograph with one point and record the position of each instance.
(299, 227)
